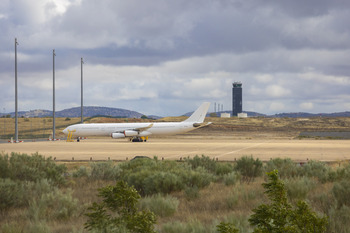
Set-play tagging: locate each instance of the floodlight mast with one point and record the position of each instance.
(53, 104)
(81, 66)
(16, 94)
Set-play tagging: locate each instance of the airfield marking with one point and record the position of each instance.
(245, 148)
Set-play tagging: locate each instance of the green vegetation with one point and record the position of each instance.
(197, 194)
(118, 211)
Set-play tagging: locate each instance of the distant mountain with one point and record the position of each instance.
(88, 111)
(306, 115)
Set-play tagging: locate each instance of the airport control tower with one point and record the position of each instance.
(236, 98)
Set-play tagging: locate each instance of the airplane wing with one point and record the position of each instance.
(200, 125)
(140, 129)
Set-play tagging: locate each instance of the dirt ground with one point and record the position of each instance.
(225, 140)
(179, 147)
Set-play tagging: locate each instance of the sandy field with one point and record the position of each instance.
(179, 147)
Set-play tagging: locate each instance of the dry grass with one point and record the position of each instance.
(42, 127)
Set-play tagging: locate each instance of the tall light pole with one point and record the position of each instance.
(81, 66)
(53, 104)
(16, 94)
(4, 123)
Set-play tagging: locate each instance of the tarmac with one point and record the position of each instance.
(176, 148)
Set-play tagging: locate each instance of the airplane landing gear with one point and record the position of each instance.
(139, 139)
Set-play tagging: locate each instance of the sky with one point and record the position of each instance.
(167, 57)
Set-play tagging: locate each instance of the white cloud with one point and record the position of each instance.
(306, 106)
(276, 106)
(276, 91)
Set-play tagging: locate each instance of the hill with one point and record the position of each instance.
(88, 111)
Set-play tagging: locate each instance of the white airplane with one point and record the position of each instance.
(139, 132)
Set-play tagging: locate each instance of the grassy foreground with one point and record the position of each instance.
(39, 195)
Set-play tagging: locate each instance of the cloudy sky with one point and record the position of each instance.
(166, 57)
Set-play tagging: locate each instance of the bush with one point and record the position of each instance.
(204, 162)
(286, 167)
(196, 178)
(317, 169)
(31, 168)
(299, 188)
(231, 178)
(343, 173)
(341, 192)
(223, 169)
(11, 194)
(162, 182)
(152, 176)
(54, 205)
(163, 206)
(104, 171)
(82, 171)
(249, 168)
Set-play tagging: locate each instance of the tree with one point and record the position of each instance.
(118, 211)
(279, 216)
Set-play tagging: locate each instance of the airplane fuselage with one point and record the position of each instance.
(139, 131)
(107, 129)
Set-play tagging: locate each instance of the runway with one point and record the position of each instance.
(177, 147)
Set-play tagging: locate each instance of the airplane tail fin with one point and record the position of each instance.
(199, 115)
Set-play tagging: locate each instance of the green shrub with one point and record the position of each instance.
(286, 167)
(343, 173)
(152, 176)
(54, 205)
(223, 169)
(199, 178)
(341, 192)
(104, 171)
(249, 168)
(31, 168)
(231, 178)
(162, 182)
(81, 172)
(163, 206)
(4, 165)
(317, 169)
(299, 188)
(11, 194)
(204, 162)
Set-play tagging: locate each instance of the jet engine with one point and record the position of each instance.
(126, 133)
(130, 133)
(117, 135)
